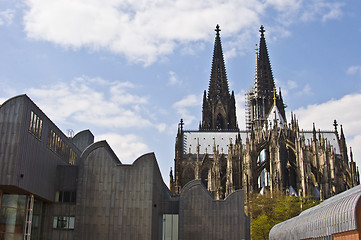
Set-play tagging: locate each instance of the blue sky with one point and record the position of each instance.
(129, 70)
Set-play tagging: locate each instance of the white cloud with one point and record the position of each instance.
(127, 147)
(101, 105)
(173, 79)
(306, 90)
(6, 17)
(231, 53)
(188, 101)
(183, 105)
(323, 9)
(354, 70)
(334, 12)
(144, 31)
(240, 110)
(291, 87)
(343, 110)
(162, 127)
(287, 9)
(93, 101)
(292, 84)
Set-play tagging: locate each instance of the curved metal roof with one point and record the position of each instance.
(334, 215)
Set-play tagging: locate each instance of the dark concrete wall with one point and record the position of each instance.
(11, 115)
(27, 164)
(116, 201)
(202, 217)
(83, 139)
(50, 210)
(66, 178)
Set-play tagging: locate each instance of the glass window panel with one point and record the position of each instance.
(71, 222)
(73, 197)
(55, 222)
(61, 196)
(64, 222)
(35, 221)
(31, 120)
(57, 194)
(66, 196)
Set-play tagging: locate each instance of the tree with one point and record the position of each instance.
(267, 210)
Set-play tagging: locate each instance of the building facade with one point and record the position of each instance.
(270, 155)
(59, 187)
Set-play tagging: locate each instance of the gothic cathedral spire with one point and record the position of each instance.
(219, 108)
(261, 98)
(264, 83)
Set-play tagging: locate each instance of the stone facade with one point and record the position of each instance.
(271, 154)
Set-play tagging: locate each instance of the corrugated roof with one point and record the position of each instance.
(334, 215)
(206, 140)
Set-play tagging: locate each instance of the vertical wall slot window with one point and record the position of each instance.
(58, 145)
(72, 157)
(63, 222)
(36, 125)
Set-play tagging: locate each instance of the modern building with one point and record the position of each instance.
(271, 154)
(64, 188)
(338, 217)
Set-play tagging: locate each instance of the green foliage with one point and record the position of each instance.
(261, 226)
(266, 211)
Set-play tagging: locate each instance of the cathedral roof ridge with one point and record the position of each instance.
(319, 130)
(215, 130)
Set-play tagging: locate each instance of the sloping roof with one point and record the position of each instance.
(275, 114)
(335, 215)
(206, 141)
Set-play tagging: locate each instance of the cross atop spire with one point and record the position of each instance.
(335, 125)
(181, 124)
(261, 30)
(217, 29)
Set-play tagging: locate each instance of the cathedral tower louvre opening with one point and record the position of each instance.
(270, 154)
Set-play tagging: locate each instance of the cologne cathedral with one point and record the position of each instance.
(272, 154)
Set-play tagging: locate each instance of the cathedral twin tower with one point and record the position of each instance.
(270, 155)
